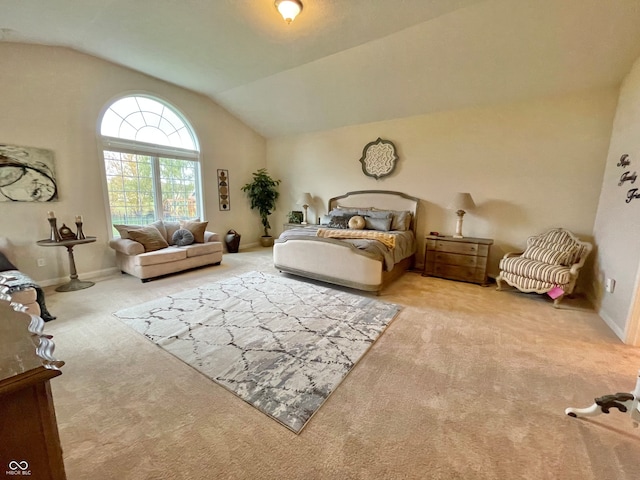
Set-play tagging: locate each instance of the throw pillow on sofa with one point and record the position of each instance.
(182, 237)
(123, 229)
(150, 238)
(196, 228)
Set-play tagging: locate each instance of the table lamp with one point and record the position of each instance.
(461, 202)
(305, 200)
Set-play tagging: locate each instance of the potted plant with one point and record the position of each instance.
(263, 193)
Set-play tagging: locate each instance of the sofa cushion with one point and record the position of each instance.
(528, 284)
(197, 249)
(150, 238)
(543, 272)
(169, 254)
(196, 228)
(182, 237)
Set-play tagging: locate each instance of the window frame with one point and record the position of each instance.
(155, 151)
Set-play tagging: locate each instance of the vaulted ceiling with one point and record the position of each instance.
(344, 62)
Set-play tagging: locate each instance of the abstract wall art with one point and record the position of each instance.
(27, 174)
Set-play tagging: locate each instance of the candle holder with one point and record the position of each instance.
(79, 232)
(55, 235)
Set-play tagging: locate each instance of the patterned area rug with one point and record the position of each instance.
(280, 344)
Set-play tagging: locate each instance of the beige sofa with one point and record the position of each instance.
(132, 258)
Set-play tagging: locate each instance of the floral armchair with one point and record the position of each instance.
(550, 264)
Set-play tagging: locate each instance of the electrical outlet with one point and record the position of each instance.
(610, 285)
(42, 262)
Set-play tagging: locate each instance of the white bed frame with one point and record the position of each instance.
(341, 263)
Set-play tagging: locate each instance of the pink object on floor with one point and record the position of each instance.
(555, 292)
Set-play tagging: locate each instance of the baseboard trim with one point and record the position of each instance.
(83, 276)
(612, 325)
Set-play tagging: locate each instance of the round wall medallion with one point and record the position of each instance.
(378, 158)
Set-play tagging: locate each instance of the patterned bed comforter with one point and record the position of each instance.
(405, 243)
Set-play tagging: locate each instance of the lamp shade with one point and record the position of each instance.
(462, 201)
(289, 9)
(305, 199)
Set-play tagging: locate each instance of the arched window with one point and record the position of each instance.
(151, 162)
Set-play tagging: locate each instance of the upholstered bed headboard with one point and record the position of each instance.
(380, 199)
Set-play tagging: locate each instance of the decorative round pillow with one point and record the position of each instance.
(356, 222)
(182, 237)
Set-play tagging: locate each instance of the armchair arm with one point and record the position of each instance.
(512, 254)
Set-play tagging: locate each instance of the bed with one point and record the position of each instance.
(367, 264)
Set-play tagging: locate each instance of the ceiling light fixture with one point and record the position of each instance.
(289, 9)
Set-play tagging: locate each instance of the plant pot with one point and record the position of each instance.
(266, 241)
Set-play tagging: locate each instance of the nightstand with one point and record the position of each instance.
(287, 226)
(463, 259)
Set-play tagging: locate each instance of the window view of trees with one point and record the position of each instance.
(151, 165)
(135, 181)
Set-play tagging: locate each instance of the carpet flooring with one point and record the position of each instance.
(280, 344)
(467, 383)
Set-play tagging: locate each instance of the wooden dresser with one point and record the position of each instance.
(463, 259)
(28, 428)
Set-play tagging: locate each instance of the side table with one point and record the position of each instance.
(288, 226)
(75, 283)
(463, 259)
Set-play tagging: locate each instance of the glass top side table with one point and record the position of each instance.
(75, 283)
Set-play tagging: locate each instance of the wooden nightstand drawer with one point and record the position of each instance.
(462, 259)
(463, 248)
(453, 272)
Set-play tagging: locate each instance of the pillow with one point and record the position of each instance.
(374, 223)
(547, 255)
(339, 221)
(170, 228)
(150, 238)
(356, 222)
(123, 229)
(182, 237)
(379, 214)
(570, 248)
(325, 219)
(196, 228)
(340, 209)
(401, 219)
(5, 264)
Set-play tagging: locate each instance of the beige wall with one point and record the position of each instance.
(52, 98)
(529, 166)
(617, 226)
